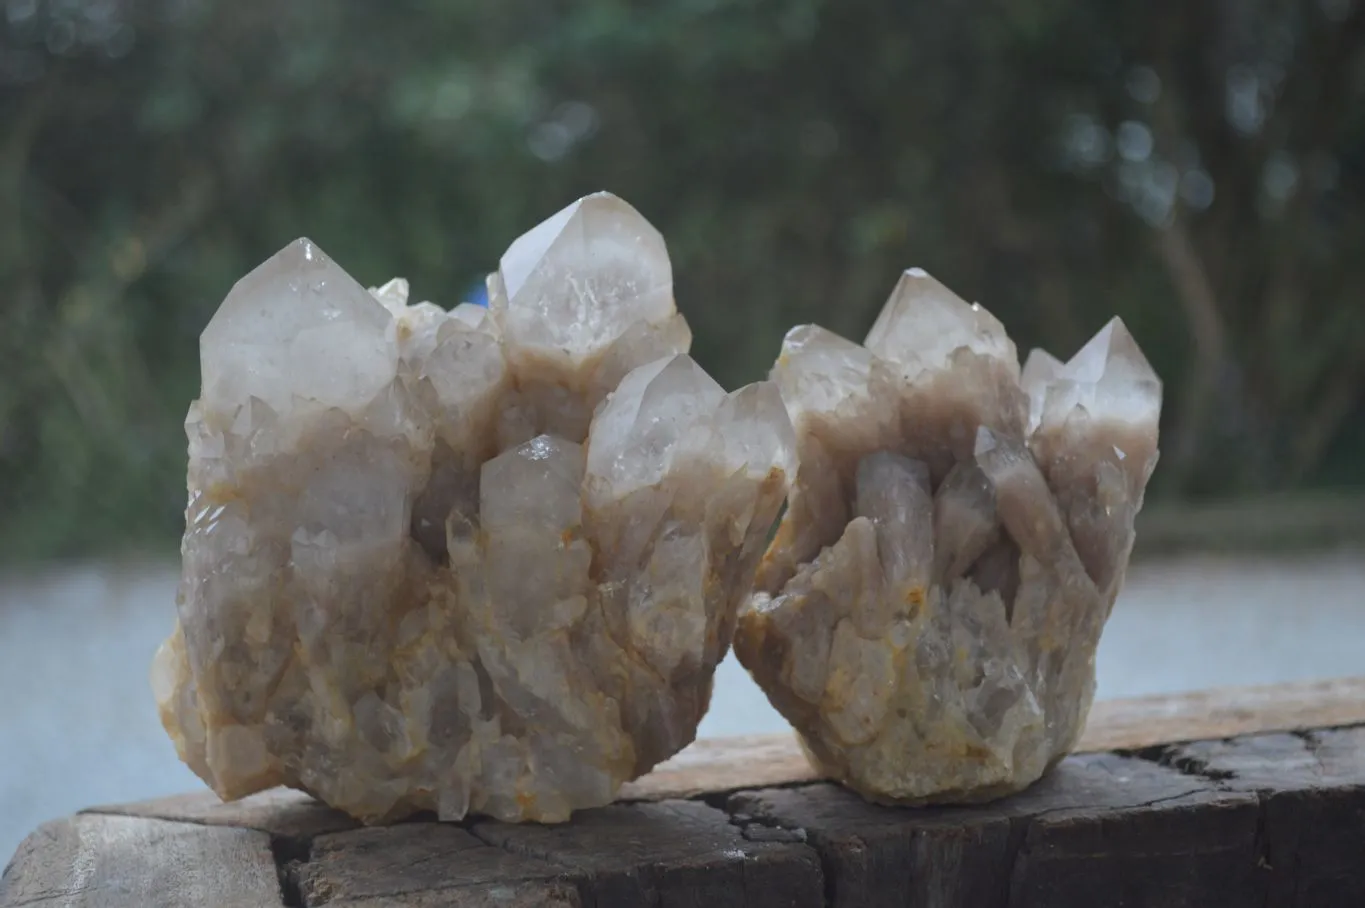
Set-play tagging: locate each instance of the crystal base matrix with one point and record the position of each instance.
(928, 614)
(463, 561)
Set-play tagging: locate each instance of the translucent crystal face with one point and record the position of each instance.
(819, 371)
(463, 561)
(1040, 370)
(928, 613)
(645, 421)
(924, 323)
(580, 300)
(753, 430)
(582, 278)
(1110, 378)
(534, 485)
(297, 326)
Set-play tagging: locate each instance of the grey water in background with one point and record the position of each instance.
(78, 726)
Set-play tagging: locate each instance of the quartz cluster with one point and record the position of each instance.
(478, 560)
(928, 613)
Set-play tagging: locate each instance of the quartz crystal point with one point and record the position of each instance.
(572, 332)
(420, 574)
(928, 612)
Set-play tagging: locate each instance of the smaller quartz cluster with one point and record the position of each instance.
(928, 614)
(468, 561)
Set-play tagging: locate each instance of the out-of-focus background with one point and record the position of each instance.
(1195, 166)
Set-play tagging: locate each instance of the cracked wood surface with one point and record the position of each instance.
(755, 761)
(1252, 797)
(99, 860)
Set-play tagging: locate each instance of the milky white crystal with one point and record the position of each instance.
(466, 561)
(928, 613)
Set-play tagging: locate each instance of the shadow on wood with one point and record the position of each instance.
(1223, 798)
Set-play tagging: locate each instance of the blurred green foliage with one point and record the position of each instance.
(1196, 167)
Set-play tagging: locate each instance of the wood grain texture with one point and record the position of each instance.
(1311, 841)
(672, 853)
(724, 764)
(1252, 797)
(515, 895)
(683, 854)
(131, 862)
(279, 811)
(435, 860)
(1100, 830)
(757, 761)
(1139, 722)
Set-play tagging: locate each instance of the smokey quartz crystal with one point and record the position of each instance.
(928, 614)
(467, 561)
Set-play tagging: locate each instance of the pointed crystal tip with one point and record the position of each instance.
(1040, 370)
(818, 370)
(393, 295)
(923, 323)
(276, 334)
(1111, 355)
(1040, 367)
(637, 428)
(580, 279)
(1109, 377)
(755, 430)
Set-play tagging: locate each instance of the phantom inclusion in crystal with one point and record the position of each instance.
(928, 613)
(468, 561)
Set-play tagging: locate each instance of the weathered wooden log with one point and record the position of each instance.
(1238, 797)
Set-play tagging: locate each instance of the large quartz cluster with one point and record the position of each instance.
(928, 613)
(480, 560)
